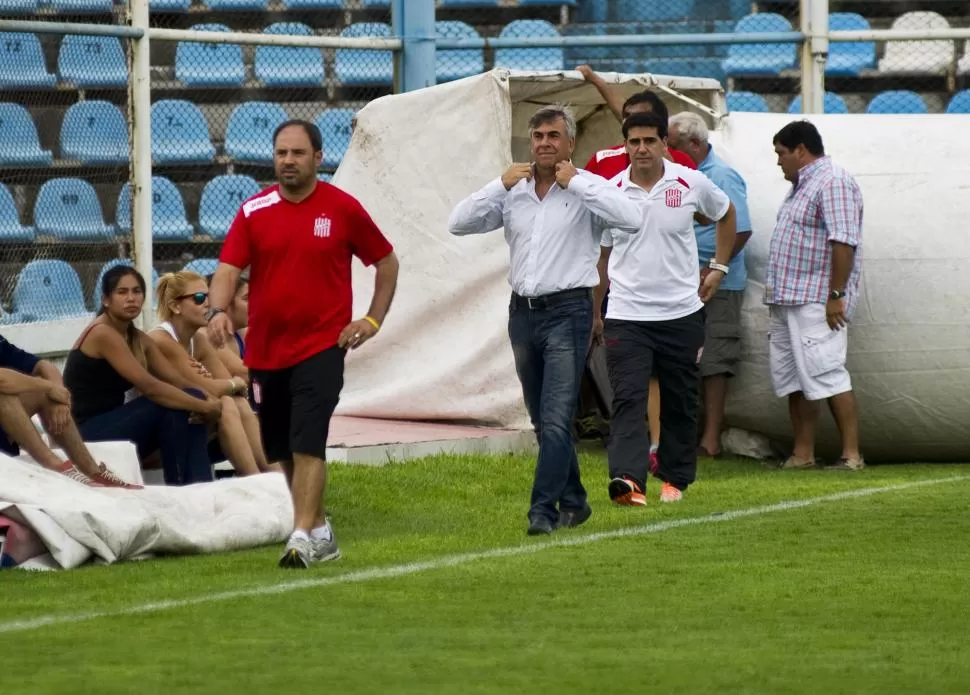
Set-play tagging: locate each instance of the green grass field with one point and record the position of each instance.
(861, 593)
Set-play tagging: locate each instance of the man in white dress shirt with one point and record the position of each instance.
(554, 216)
(656, 311)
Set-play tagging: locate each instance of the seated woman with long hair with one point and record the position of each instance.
(111, 358)
(183, 300)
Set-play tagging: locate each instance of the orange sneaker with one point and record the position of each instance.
(108, 479)
(627, 492)
(668, 493)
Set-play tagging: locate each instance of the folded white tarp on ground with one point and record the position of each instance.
(444, 353)
(79, 524)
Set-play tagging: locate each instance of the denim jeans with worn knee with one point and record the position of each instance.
(153, 427)
(549, 343)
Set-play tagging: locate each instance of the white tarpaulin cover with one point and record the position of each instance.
(444, 352)
(77, 523)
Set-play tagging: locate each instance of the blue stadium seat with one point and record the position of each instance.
(221, 199)
(746, 101)
(11, 230)
(897, 101)
(236, 5)
(960, 103)
(19, 143)
(48, 290)
(655, 10)
(168, 211)
(22, 63)
(92, 61)
(664, 28)
(180, 133)
(832, 103)
(456, 64)
(202, 266)
(849, 58)
(686, 67)
(313, 4)
(376, 4)
(180, 6)
(468, 3)
(721, 9)
(556, 3)
(289, 66)
(69, 210)
(82, 6)
(209, 64)
(95, 132)
(249, 135)
(529, 58)
(334, 125)
(364, 68)
(760, 58)
(18, 7)
(96, 294)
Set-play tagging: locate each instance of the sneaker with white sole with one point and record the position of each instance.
(626, 491)
(298, 553)
(325, 549)
(107, 478)
(668, 493)
(846, 464)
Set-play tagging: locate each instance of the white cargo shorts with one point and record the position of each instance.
(805, 354)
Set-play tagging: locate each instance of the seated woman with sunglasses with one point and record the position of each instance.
(183, 299)
(111, 358)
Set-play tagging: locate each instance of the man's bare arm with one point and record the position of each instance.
(385, 283)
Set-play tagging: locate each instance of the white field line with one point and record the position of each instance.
(559, 541)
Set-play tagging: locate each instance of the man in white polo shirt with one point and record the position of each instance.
(656, 311)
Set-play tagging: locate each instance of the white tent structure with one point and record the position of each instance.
(444, 351)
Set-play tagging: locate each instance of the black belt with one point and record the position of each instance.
(551, 299)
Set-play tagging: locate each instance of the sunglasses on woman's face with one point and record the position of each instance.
(197, 297)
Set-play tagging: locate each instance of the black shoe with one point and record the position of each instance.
(571, 518)
(540, 526)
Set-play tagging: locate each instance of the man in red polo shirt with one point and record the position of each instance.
(614, 160)
(298, 239)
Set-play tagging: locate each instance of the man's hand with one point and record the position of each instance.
(565, 171)
(220, 330)
(709, 284)
(835, 313)
(598, 330)
(516, 173)
(356, 334)
(59, 394)
(56, 418)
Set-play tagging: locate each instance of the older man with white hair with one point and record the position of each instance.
(722, 345)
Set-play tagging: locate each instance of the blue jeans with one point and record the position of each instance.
(549, 343)
(152, 427)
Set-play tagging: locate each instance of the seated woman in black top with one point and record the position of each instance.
(109, 359)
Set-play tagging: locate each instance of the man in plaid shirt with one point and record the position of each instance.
(811, 287)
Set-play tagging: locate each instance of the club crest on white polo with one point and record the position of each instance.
(673, 197)
(321, 226)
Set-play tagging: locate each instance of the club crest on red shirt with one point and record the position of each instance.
(673, 197)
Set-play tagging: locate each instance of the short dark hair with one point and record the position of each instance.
(647, 97)
(316, 140)
(645, 120)
(800, 133)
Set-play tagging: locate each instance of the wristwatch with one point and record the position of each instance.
(836, 294)
(714, 265)
(211, 313)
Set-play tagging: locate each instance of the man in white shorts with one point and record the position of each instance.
(811, 287)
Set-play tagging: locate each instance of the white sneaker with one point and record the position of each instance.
(324, 550)
(298, 553)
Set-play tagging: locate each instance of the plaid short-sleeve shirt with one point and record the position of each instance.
(824, 206)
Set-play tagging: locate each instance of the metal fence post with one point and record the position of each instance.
(413, 22)
(140, 98)
(814, 15)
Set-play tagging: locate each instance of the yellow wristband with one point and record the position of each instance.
(373, 322)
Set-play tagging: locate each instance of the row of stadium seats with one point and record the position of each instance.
(95, 132)
(51, 289)
(892, 101)
(89, 61)
(107, 6)
(68, 209)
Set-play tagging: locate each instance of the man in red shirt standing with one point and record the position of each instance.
(298, 239)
